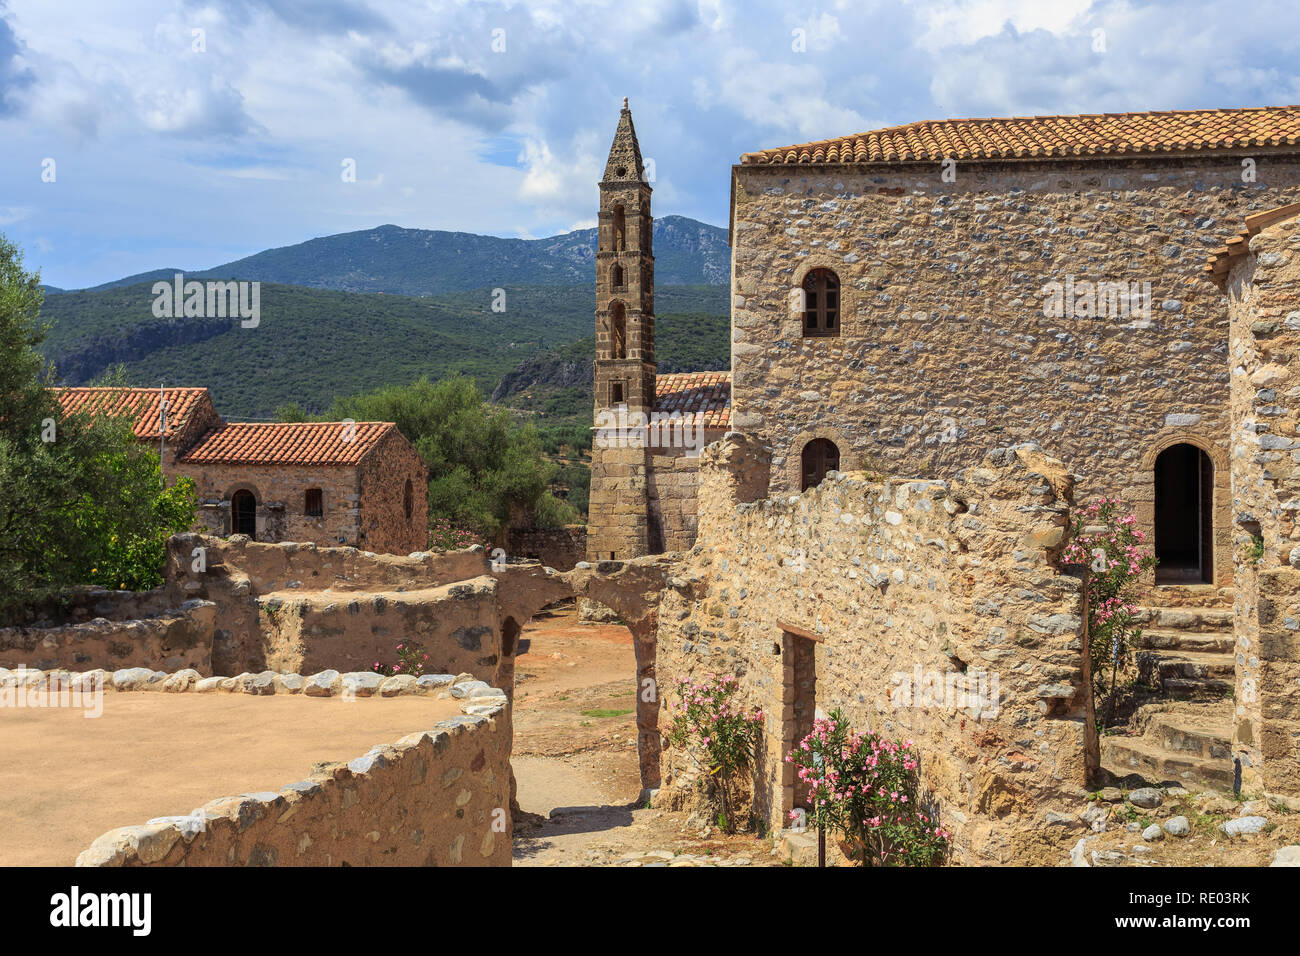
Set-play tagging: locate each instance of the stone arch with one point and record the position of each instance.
(791, 474)
(793, 326)
(1142, 492)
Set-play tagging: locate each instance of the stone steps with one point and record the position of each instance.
(1150, 760)
(1191, 734)
(1206, 642)
(1200, 619)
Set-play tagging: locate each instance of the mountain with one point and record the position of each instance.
(314, 345)
(422, 262)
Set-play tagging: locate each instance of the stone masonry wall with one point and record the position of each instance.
(383, 477)
(280, 492)
(945, 350)
(173, 639)
(437, 797)
(559, 548)
(1264, 306)
(948, 578)
(302, 608)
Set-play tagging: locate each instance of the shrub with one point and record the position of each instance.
(866, 788)
(411, 659)
(1105, 536)
(708, 720)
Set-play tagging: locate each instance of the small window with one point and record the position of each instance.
(620, 230)
(617, 281)
(314, 506)
(821, 291)
(616, 393)
(819, 457)
(617, 331)
(408, 500)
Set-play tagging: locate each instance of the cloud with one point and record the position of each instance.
(14, 74)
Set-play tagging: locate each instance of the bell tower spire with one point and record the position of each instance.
(625, 322)
(618, 522)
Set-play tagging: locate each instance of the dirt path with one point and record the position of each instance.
(575, 759)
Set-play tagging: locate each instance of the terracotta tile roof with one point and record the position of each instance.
(704, 395)
(287, 443)
(1221, 259)
(1015, 137)
(140, 403)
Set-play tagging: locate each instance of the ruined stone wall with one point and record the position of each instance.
(280, 492)
(383, 478)
(948, 578)
(438, 797)
(172, 639)
(945, 350)
(302, 608)
(1264, 306)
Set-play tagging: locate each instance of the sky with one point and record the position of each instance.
(176, 134)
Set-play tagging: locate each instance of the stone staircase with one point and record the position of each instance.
(1182, 732)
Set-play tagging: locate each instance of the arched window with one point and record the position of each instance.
(620, 230)
(617, 280)
(819, 456)
(243, 513)
(408, 499)
(314, 503)
(617, 331)
(821, 300)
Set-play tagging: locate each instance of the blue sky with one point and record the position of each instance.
(496, 117)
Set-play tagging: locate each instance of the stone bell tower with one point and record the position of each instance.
(618, 518)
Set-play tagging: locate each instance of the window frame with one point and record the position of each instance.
(307, 503)
(814, 303)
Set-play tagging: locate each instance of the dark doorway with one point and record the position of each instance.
(819, 456)
(243, 513)
(1184, 529)
(800, 680)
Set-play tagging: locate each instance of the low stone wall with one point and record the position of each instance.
(294, 607)
(437, 797)
(171, 640)
(847, 594)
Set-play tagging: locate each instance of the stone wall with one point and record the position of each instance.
(302, 608)
(559, 548)
(172, 639)
(945, 349)
(280, 492)
(877, 582)
(392, 476)
(1263, 301)
(438, 797)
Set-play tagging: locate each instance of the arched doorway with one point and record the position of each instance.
(243, 513)
(1184, 523)
(818, 457)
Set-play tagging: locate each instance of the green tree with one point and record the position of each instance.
(485, 473)
(81, 500)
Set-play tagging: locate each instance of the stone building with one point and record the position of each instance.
(945, 335)
(330, 483)
(907, 298)
(649, 427)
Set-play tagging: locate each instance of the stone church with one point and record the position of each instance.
(360, 484)
(907, 298)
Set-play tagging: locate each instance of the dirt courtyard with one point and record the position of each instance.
(66, 779)
(575, 759)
